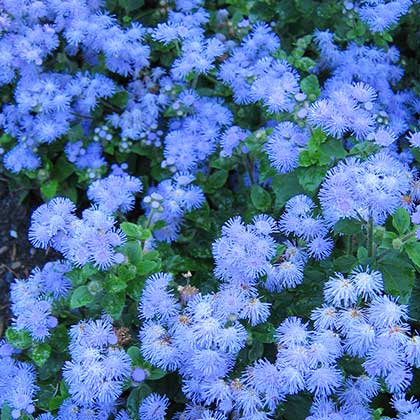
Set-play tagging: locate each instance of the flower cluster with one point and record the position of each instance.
(380, 15)
(44, 110)
(193, 138)
(169, 201)
(298, 219)
(17, 383)
(199, 335)
(32, 298)
(284, 146)
(89, 239)
(357, 320)
(88, 158)
(115, 192)
(98, 368)
(245, 254)
(360, 95)
(373, 188)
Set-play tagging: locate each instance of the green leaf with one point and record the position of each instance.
(256, 351)
(114, 284)
(413, 252)
(119, 99)
(89, 270)
(414, 306)
(135, 355)
(217, 179)
(69, 192)
(362, 254)
(305, 63)
(388, 239)
(137, 395)
(40, 353)
(55, 402)
(311, 178)
(80, 297)
(6, 412)
(261, 199)
(401, 221)
(297, 407)
(133, 251)
(75, 133)
(18, 338)
(347, 226)
(146, 267)
(62, 169)
(155, 373)
(49, 189)
(285, 187)
(264, 333)
(304, 41)
(399, 276)
(131, 230)
(345, 263)
(310, 86)
(135, 289)
(377, 414)
(5, 138)
(114, 304)
(331, 151)
(131, 5)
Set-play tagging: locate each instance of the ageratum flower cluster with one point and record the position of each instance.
(169, 201)
(198, 335)
(32, 298)
(46, 103)
(17, 383)
(97, 369)
(89, 239)
(373, 189)
(357, 320)
(302, 148)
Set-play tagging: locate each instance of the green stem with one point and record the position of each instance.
(110, 106)
(195, 81)
(249, 166)
(177, 47)
(149, 219)
(370, 242)
(348, 244)
(211, 78)
(88, 117)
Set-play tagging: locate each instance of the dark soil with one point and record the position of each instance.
(17, 257)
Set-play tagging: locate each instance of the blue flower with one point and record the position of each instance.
(17, 386)
(154, 407)
(284, 146)
(367, 283)
(339, 291)
(324, 381)
(115, 192)
(381, 15)
(156, 302)
(97, 370)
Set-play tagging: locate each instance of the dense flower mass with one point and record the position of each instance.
(32, 299)
(89, 239)
(233, 189)
(98, 368)
(17, 383)
(373, 188)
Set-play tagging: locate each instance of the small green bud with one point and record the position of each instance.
(397, 244)
(94, 287)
